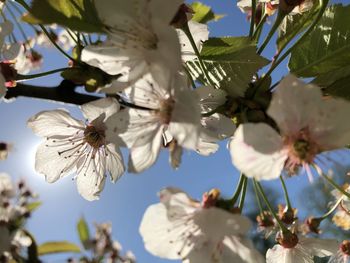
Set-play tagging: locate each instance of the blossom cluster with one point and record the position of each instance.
(153, 101)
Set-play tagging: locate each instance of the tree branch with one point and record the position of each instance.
(64, 92)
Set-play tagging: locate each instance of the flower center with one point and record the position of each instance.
(302, 149)
(166, 110)
(94, 137)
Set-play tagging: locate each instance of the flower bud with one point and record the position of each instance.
(313, 224)
(345, 247)
(209, 198)
(265, 219)
(287, 215)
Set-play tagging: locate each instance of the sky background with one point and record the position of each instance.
(123, 203)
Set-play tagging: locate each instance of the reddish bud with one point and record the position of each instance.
(265, 219)
(209, 198)
(287, 215)
(345, 247)
(313, 224)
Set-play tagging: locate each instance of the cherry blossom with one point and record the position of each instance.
(140, 40)
(73, 146)
(180, 227)
(7, 189)
(309, 125)
(303, 251)
(174, 109)
(343, 254)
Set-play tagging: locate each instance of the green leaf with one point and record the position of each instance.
(231, 62)
(33, 206)
(83, 231)
(295, 24)
(57, 247)
(335, 83)
(327, 48)
(203, 13)
(80, 15)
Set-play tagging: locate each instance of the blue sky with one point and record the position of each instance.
(122, 203)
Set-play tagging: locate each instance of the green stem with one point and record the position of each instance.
(334, 184)
(238, 189)
(39, 75)
(257, 197)
(243, 194)
(25, 5)
(187, 32)
(286, 196)
(262, 193)
(300, 40)
(252, 19)
(331, 210)
(274, 28)
(259, 27)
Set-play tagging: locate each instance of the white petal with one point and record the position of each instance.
(146, 93)
(55, 122)
(50, 163)
(143, 157)
(6, 28)
(279, 254)
(206, 148)
(114, 60)
(319, 247)
(328, 128)
(260, 158)
(185, 121)
(294, 104)
(200, 34)
(230, 224)
(217, 127)
(90, 184)
(232, 249)
(94, 109)
(162, 237)
(210, 98)
(135, 127)
(114, 162)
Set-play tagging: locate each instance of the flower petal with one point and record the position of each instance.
(294, 104)
(143, 157)
(210, 98)
(260, 158)
(319, 247)
(95, 109)
(114, 162)
(51, 123)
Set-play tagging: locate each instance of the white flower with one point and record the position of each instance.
(73, 146)
(8, 51)
(140, 40)
(28, 60)
(309, 125)
(6, 186)
(303, 252)
(182, 228)
(174, 110)
(200, 34)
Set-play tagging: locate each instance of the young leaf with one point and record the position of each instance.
(203, 13)
(335, 83)
(57, 247)
(83, 231)
(33, 206)
(231, 62)
(80, 15)
(327, 48)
